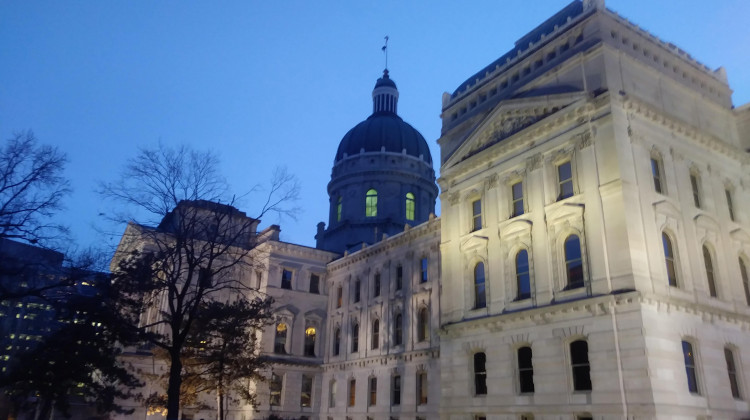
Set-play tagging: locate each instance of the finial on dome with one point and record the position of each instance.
(385, 51)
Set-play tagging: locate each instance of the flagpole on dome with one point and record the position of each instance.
(385, 50)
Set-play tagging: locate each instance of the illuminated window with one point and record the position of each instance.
(275, 386)
(710, 275)
(398, 329)
(375, 333)
(734, 382)
(480, 374)
(564, 180)
(352, 392)
(523, 278)
(336, 341)
(669, 258)
(579, 363)
(423, 325)
(476, 218)
(371, 203)
(656, 172)
(745, 280)
(396, 390)
(310, 341)
(279, 344)
(525, 370)
(421, 388)
(517, 191)
(690, 367)
(339, 296)
(480, 295)
(573, 262)
(409, 206)
(696, 192)
(339, 208)
(373, 391)
(306, 391)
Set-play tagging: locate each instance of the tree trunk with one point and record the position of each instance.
(173, 389)
(220, 402)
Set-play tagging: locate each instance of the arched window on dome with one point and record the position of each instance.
(371, 203)
(409, 206)
(339, 207)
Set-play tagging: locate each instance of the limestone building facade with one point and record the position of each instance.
(591, 259)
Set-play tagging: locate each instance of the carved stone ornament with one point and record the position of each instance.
(453, 198)
(491, 181)
(534, 162)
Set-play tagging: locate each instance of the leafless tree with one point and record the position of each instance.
(197, 253)
(32, 187)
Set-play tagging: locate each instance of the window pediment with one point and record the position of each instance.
(474, 242)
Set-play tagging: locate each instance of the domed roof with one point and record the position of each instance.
(384, 131)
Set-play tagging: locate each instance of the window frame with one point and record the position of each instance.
(517, 203)
(339, 208)
(733, 373)
(710, 270)
(352, 392)
(476, 214)
(744, 278)
(332, 393)
(657, 174)
(562, 194)
(479, 364)
(275, 392)
(423, 324)
(480, 286)
(410, 207)
(373, 391)
(399, 277)
(422, 387)
(376, 285)
(424, 267)
(691, 367)
(279, 347)
(309, 392)
(525, 373)
(316, 283)
(310, 346)
(569, 262)
(670, 259)
(355, 337)
(398, 329)
(695, 189)
(336, 341)
(580, 369)
(286, 281)
(521, 274)
(375, 334)
(396, 389)
(371, 203)
(728, 194)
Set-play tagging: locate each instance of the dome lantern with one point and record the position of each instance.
(385, 95)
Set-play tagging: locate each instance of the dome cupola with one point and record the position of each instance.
(382, 177)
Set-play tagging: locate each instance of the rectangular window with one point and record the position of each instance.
(696, 192)
(690, 371)
(423, 271)
(286, 279)
(732, 371)
(332, 394)
(352, 392)
(421, 388)
(357, 291)
(476, 218)
(399, 277)
(339, 296)
(564, 180)
(373, 391)
(396, 390)
(306, 392)
(376, 285)
(314, 283)
(579, 363)
(656, 173)
(275, 387)
(525, 370)
(730, 206)
(517, 191)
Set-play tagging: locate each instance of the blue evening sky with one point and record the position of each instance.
(268, 83)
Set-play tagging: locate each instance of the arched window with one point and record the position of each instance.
(375, 334)
(523, 279)
(409, 206)
(371, 203)
(669, 258)
(398, 329)
(355, 337)
(690, 367)
(710, 275)
(579, 363)
(525, 370)
(573, 262)
(745, 280)
(480, 295)
(336, 341)
(480, 374)
(279, 343)
(423, 325)
(310, 341)
(339, 208)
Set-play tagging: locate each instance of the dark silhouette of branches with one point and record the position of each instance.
(31, 189)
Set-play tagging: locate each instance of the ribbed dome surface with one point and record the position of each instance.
(384, 129)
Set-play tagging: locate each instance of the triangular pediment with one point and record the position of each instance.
(510, 117)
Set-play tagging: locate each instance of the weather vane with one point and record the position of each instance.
(385, 50)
